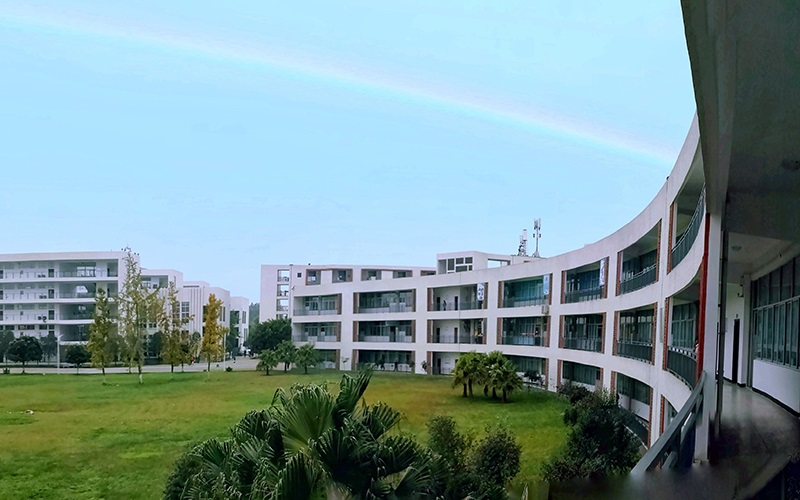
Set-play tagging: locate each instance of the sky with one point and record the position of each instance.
(213, 137)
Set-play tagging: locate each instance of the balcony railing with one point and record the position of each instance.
(534, 340)
(636, 350)
(638, 280)
(464, 305)
(682, 363)
(9, 297)
(462, 338)
(594, 344)
(675, 446)
(314, 312)
(391, 337)
(90, 273)
(685, 242)
(387, 308)
(636, 426)
(524, 302)
(442, 371)
(388, 367)
(314, 338)
(583, 295)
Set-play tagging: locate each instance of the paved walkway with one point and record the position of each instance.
(240, 363)
(757, 439)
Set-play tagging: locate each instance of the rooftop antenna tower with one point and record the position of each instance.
(522, 251)
(537, 227)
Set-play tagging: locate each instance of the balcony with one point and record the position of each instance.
(461, 338)
(464, 305)
(642, 351)
(386, 302)
(524, 301)
(636, 426)
(584, 344)
(314, 338)
(583, 295)
(398, 337)
(531, 340)
(638, 280)
(303, 311)
(686, 240)
(682, 363)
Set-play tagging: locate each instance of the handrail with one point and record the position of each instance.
(670, 448)
(686, 240)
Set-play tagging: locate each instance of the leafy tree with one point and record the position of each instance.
(213, 332)
(101, 342)
(460, 375)
(156, 344)
(253, 310)
(137, 307)
(176, 348)
(490, 362)
(496, 461)
(306, 356)
(445, 441)
(267, 360)
(599, 444)
(232, 342)
(311, 443)
(49, 345)
(286, 353)
(504, 378)
(78, 355)
(24, 350)
(269, 334)
(6, 337)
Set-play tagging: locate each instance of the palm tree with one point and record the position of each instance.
(490, 361)
(504, 378)
(311, 443)
(267, 360)
(460, 375)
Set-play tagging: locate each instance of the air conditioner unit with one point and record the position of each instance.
(546, 309)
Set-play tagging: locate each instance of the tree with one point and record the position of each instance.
(269, 334)
(101, 342)
(599, 444)
(306, 356)
(267, 360)
(49, 345)
(24, 350)
(460, 375)
(77, 355)
(286, 353)
(504, 378)
(156, 345)
(211, 346)
(137, 307)
(453, 447)
(232, 343)
(6, 337)
(490, 361)
(311, 443)
(172, 322)
(496, 461)
(253, 311)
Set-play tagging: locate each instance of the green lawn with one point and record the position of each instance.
(87, 440)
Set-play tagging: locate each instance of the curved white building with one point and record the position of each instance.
(702, 286)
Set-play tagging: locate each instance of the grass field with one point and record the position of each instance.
(87, 440)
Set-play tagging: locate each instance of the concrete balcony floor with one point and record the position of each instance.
(757, 439)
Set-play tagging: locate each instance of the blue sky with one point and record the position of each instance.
(215, 137)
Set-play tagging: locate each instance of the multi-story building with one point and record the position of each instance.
(55, 292)
(239, 308)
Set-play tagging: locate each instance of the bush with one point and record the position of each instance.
(496, 457)
(228, 369)
(6, 371)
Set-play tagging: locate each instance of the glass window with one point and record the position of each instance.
(780, 332)
(774, 286)
(792, 341)
(786, 281)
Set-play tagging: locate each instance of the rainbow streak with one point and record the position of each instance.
(360, 80)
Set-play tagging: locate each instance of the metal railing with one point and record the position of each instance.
(396, 307)
(314, 312)
(462, 338)
(534, 340)
(636, 426)
(635, 350)
(442, 371)
(638, 280)
(583, 295)
(675, 447)
(682, 363)
(685, 242)
(315, 338)
(464, 305)
(399, 337)
(386, 366)
(591, 344)
(524, 302)
(90, 273)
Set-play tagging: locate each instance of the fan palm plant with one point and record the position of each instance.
(503, 377)
(311, 444)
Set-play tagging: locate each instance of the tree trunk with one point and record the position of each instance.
(465, 390)
(504, 396)
(485, 390)
(209, 367)
(139, 367)
(305, 370)
(470, 387)
(23, 367)
(103, 368)
(494, 393)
